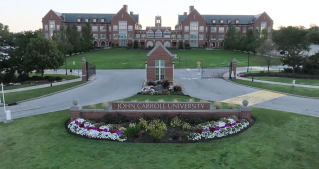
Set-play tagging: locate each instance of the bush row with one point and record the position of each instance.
(12, 78)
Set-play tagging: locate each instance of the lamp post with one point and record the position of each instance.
(248, 61)
(66, 69)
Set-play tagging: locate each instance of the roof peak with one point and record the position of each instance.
(157, 46)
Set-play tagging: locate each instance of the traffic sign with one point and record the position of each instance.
(198, 63)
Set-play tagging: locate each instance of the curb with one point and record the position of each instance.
(56, 92)
(272, 90)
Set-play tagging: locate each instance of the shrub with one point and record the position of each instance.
(176, 122)
(93, 106)
(58, 78)
(150, 83)
(105, 104)
(231, 106)
(156, 129)
(186, 126)
(177, 88)
(157, 134)
(8, 77)
(191, 100)
(16, 80)
(51, 79)
(142, 123)
(203, 101)
(198, 119)
(46, 77)
(161, 100)
(114, 119)
(165, 83)
(175, 100)
(218, 105)
(132, 129)
(23, 77)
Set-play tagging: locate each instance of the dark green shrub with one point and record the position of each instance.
(135, 44)
(46, 77)
(58, 78)
(177, 88)
(16, 80)
(24, 77)
(51, 79)
(8, 77)
(180, 46)
(150, 83)
(132, 130)
(165, 83)
(114, 118)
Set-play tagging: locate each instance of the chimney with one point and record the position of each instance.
(131, 13)
(125, 8)
(191, 8)
(185, 13)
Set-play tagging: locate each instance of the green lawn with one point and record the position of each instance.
(277, 140)
(135, 59)
(24, 95)
(302, 91)
(314, 82)
(20, 86)
(259, 71)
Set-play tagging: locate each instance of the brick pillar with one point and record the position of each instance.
(83, 64)
(75, 110)
(245, 111)
(234, 64)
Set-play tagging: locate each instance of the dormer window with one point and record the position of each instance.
(86, 19)
(229, 21)
(94, 19)
(79, 19)
(102, 19)
(221, 21)
(237, 21)
(214, 21)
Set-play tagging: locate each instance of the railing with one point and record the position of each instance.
(214, 72)
(90, 70)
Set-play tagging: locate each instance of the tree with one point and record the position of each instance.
(293, 40)
(62, 40)
(4, 34)
(230, 39)
(41, 54)
(181, 45)
(251, 41)
(265, 51)
(313, 36)
(135, 44)
(87, 37)
(311, 65)
(74, 38)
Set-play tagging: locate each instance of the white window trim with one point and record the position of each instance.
(159, 67)
(79, 19)
(130, 27)
(86, 20)
(102, 19)
(94, 19)
(115, 28)
(221, 21)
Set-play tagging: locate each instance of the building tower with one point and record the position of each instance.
(158, 21)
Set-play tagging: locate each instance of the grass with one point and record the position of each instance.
(67, 77)
(24, 95)
(277, 140)
(314, 82)
(135, 59)
(259, 71)
(302, 91)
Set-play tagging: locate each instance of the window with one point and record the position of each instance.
(123, 42)
(229, 21)
(221, 21)
(158, 34)
(47, 35)
(150, 34)
(86, 19)
(201, 37)
(206, 29)
(263, 26)
(138, 35)
(237, 20)
(94, 19)
(159, 69)
(221, 30)
(79, 19)
(130, 27)
(110, 36)
(220, 37)
(237, 29)
(114, 27)
(95, 28)
(186, 37)
(179, 36)
(193, 43)
(102, 36)
(123, 25)
(51, 27)
(173, 36)
(103, 28)
(122, 34)
(115, 36)
(194, 26)
(110, 28)
(167, 34)
(96, 36)
(79, 28)
(102, 19)
(143, 36)
(257, 29)
(57, 27)
(46, 27)
(201, 29)
(213, 29)
(214, 20)
(213, 37)
(269, 29)
(186, 28)
(244, 29)
(130, 36)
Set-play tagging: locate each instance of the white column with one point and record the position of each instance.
(173, 71)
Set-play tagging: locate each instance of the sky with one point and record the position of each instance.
(24, 15)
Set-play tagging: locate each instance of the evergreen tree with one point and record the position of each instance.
(230, 38)
(87, 38)
(74, 38)
(181, 45)
(135, 44)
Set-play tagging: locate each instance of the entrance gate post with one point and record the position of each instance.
(84, 74)
(234, 63)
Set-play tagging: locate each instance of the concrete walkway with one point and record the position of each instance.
(42, 86)
(278, 83)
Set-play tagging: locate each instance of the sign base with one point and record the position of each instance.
(8, 117)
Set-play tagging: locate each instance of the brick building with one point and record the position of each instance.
(123, 27)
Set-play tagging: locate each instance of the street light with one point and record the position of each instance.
(7, 112)
(248, 60)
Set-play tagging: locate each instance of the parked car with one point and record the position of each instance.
(240, 74)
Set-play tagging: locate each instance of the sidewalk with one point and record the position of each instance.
(42, 86)
(278, 83)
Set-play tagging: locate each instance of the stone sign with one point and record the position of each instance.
(160, 106)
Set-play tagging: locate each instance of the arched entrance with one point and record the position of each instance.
(110, 43)
(213, 44)
(220, 44)
(158, 43)
(102, 44)
(150, 43)
(167, 44)
(96, 44)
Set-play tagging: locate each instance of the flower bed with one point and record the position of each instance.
(175, 130)
(163, 87)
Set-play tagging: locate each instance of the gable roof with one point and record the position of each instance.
(243, 19)
(72, 17)
(158, 46)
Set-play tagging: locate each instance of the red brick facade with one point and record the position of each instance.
(207, 32)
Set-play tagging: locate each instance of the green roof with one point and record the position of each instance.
(243, 19)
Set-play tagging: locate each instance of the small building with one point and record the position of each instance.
(159, 64)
